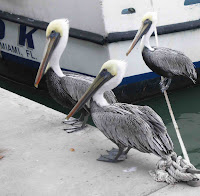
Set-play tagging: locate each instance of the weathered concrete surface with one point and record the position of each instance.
(38, 161)
(176, 190)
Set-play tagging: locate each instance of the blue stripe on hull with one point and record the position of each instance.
(146, 76)
(126, 81)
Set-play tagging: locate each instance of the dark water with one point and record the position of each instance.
(37, 95)
(185, 104)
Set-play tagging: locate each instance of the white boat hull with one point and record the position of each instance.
(22, 41)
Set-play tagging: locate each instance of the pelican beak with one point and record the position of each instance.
(101, 79)
(53, 40)
(143, 30)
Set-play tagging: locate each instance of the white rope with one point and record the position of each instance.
(168, 170)
(172, 171)
(184, 151)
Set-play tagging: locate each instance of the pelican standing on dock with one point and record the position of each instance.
(128, 126)
(67, 87)
(163, 61)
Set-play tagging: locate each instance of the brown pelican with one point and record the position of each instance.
(128, 126)
(163, 61)
(66, 88)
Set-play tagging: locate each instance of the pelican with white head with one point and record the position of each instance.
(57, 34)
(128, 126)
(64, 87)
(163, 61)
(149, 22)
(110, 76)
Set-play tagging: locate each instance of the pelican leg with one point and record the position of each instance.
(162, 81)
(165, 84)
(126, 151)
(168, 83)
(85, 119)
(114, 151)
(114, 156)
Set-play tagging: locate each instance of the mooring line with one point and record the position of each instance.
(184, 151)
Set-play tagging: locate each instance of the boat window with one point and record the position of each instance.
(190, 2)
(128, 11)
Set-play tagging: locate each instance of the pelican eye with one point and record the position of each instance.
(147, 21)
(103, 71)
(52, 34)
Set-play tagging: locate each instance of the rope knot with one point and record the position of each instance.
(172, 169)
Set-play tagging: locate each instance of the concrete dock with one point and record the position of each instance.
(38, 158)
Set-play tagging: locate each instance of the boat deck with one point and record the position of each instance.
(38, 158)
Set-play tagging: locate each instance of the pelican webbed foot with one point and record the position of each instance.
(79, 122)
(71, 121)
(111, 159)
(114, 155)
(114, 151)
(74, 129)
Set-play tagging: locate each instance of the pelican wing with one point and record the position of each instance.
(135, 126)
(156, 123)
(56, 90)
(76, 85)
(171, 62)
(152, 119)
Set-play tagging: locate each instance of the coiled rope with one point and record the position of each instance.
(174, 169)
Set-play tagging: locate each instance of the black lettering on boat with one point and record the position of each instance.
(9, 48)
(18, 50)
(2, 29)
(26, 37)
(29, 54)
(14, 49)
(2, 45)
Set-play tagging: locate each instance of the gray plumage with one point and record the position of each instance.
(69, 89)
(168, 63)
(132, 126)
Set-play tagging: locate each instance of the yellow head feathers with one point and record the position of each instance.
(151, 16)
(58, 26)
(112, 66)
